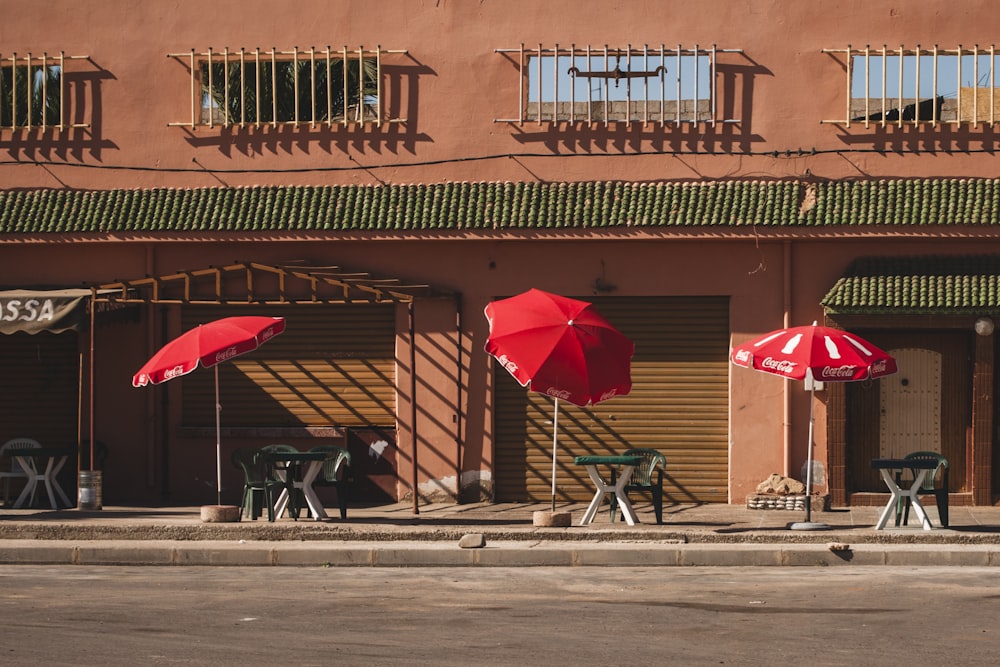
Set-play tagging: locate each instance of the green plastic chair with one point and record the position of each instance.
(643, 479)
(256, 481)
(931, 485)
(336, 473)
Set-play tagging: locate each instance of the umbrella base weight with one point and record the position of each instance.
(808, 525)
(89, 490)
(547, 519)
(220, 513)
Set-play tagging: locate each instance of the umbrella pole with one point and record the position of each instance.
(218, 441)
(809, 465)
(808, 524)
(555, 437)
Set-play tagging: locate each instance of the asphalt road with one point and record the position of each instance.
(78, 615)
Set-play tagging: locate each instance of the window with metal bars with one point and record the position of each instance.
(912, 86)
(33, 92)
(308, 87)
(603, 84)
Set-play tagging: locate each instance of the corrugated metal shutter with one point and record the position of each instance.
(333, 365)
(39, 388)
(678, 405)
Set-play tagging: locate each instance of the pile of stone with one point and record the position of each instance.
(778, 493)
(766, 502)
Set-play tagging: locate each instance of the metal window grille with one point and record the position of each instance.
(33, 92)
(297, 87)
(644, 84)
(912, 86)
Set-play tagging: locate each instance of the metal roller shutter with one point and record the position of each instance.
(678, 405)
(333, 365)
(39, 388)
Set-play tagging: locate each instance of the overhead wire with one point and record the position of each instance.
(775, 154)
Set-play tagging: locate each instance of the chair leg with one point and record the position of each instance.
(658, 503)
(257, 503)
(294, 504)
(342, 498)
(301, 504)
(270, 503)
(613, 500)
(941, 497)
(901, 505)
(244, 509)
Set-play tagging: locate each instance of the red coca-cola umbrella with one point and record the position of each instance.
(208, 345)
(814, 354)
(560, 347)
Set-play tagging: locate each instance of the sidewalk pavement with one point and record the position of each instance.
(451, 535)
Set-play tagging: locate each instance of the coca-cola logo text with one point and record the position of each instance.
(879, 367)
(557, 393)
(780, 365)
(836, 372)
(608, 394)
(173, 372)
(507, 363)
(742, 356)
(228, 353)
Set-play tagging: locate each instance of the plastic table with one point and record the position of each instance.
(628, 465)
(309, 464)
(42, 464)
(899, 494)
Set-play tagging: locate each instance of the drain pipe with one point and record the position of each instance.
(787, 322)
(164, 421)
(459, 422)
(90, 424)
(413, 401)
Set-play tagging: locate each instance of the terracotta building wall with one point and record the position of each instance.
(452, 86)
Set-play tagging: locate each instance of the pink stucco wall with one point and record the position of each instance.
(454, 86)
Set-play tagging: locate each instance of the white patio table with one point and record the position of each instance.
(42, 464)
(299, 470)
(628, 465)
(899, 494)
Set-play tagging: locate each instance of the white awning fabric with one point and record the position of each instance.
(33, 311)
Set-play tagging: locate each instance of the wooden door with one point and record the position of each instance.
(941, 416)
(910, 404)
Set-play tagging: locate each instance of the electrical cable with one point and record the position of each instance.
(775, 154)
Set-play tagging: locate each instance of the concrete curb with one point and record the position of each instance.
(440, 536)
(500, 554)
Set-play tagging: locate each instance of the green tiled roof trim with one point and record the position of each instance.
(489, 206)
(924, 285)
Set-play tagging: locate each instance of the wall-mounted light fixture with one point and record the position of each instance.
(984, 326)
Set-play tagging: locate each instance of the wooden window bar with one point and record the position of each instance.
(653, 63)
(884, 104)
(273, 57)
(44, 62)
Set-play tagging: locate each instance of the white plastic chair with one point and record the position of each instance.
(15, 468)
